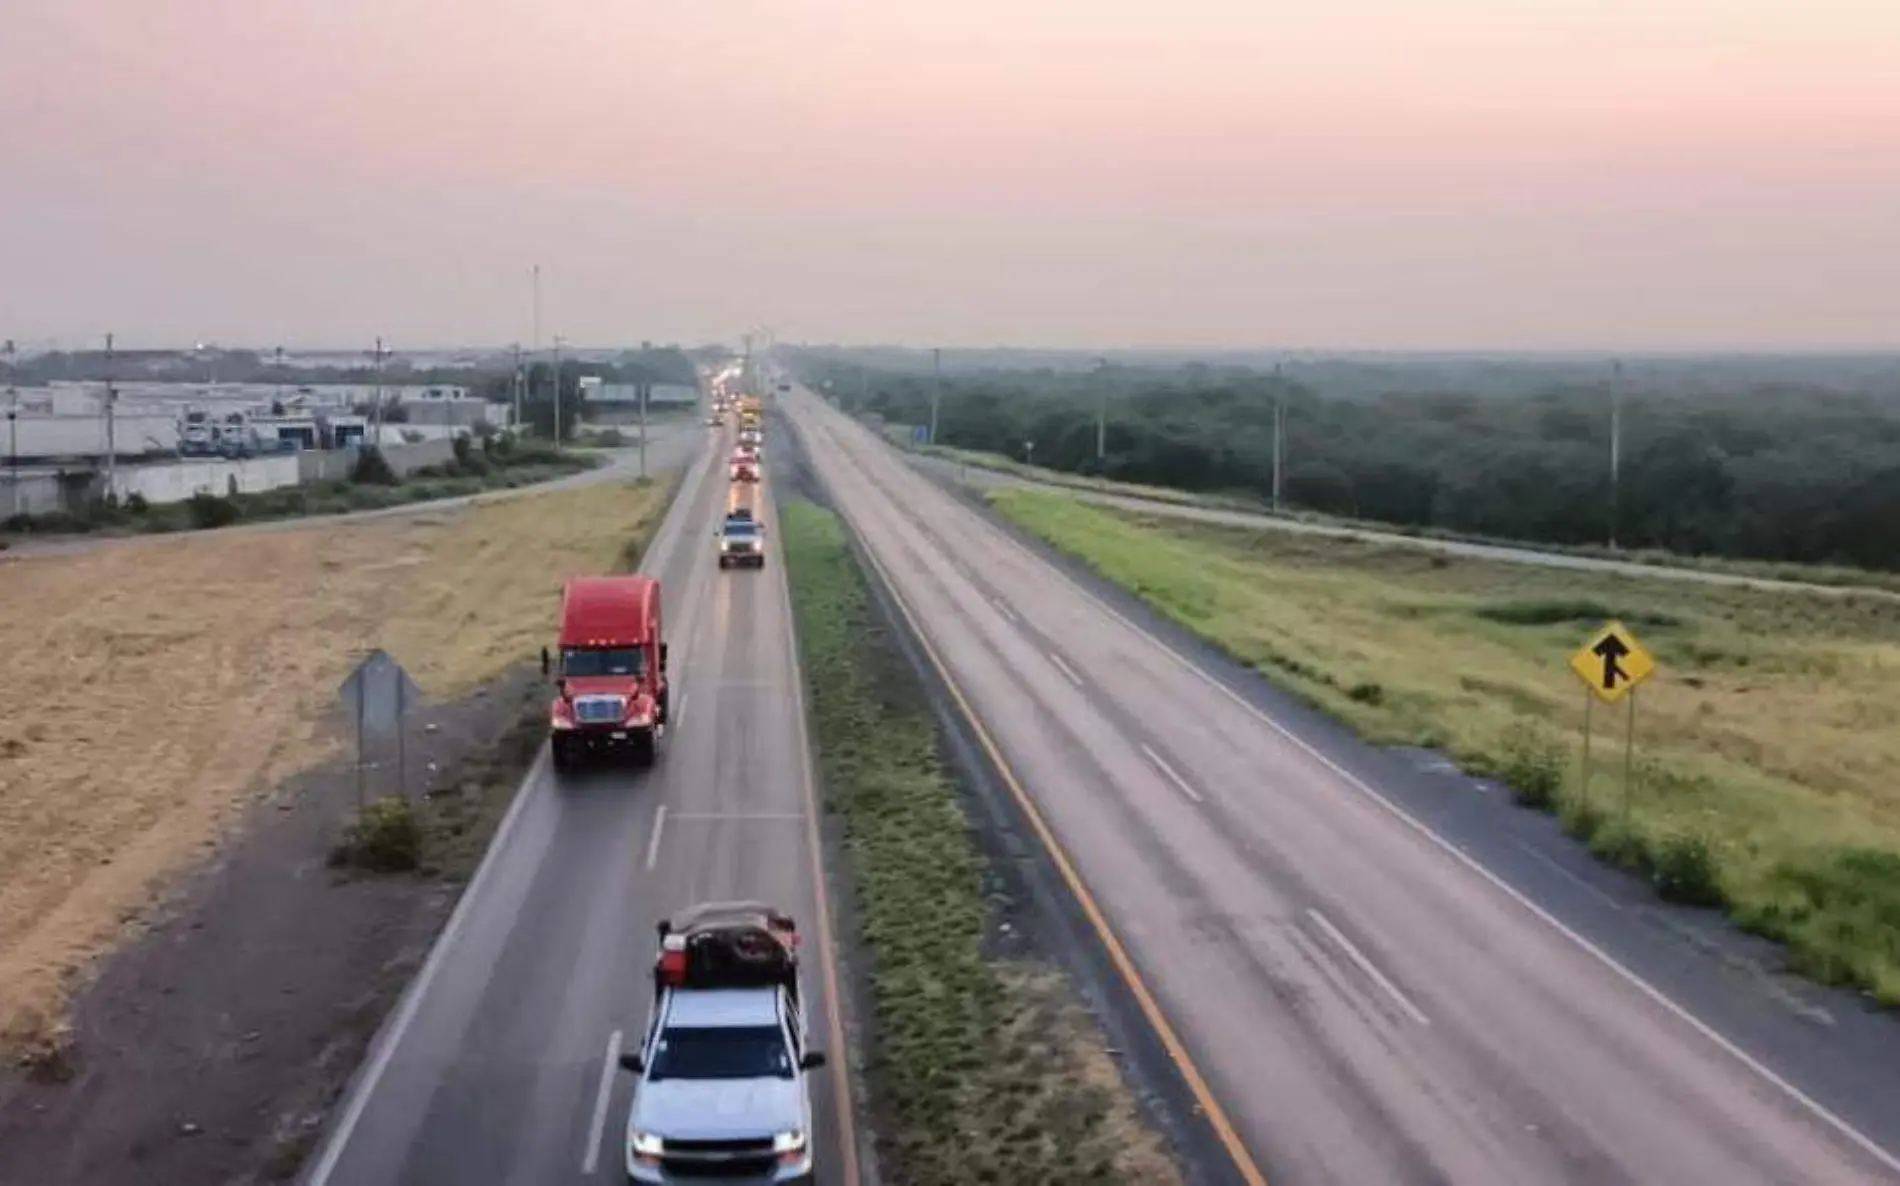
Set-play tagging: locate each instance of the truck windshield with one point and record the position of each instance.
(742, 528)
(721, 1052)
(579, 663)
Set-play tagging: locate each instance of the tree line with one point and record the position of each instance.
(1786, 460)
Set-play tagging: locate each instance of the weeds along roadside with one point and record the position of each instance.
(981, 1069)
(1786, 832)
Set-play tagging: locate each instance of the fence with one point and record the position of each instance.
(39, 492)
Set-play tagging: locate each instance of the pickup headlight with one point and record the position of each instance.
(725, 545)
(645, 1144)
(790, 1141)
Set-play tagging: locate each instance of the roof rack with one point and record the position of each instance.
(728, 945)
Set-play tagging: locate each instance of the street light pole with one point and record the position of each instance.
(1101, 417)
(112, 444)
(936, 390)
(557, 391)
(644, 388)
(1279, 433)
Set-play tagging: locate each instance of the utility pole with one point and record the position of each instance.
(112, 444)
(1101, 418)
(517, 423)
(13, 433)
(1616, 445)
(644, 388)
(936, 390)
(376, 409)
(1279, 433)
(557, 391)
(864, 387)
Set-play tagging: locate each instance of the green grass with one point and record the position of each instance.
(1813, 574)
(1766, 742)
(472, 472)
(982, 1071)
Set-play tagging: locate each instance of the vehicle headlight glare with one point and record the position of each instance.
(790, 1141)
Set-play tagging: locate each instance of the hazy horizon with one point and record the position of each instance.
(1681, 176)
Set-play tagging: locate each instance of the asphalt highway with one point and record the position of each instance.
(1352, 997)
(495, 1067)
(980, 477)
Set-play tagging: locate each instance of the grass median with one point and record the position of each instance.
(1765, 744)
(983, 1070)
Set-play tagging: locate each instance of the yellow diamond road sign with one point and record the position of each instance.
(1612, 663)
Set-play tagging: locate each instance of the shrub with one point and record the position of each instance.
(136, 504)
(372, 468)
(1685, 872)
(386, 838)
(209, 510)
(1533, 766)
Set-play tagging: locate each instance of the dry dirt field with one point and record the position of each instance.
(149, 689)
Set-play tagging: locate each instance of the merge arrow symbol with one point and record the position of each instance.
(1612, 650)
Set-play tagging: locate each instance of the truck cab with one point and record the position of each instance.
(610, 671)
(722, 1088)
(745, 465)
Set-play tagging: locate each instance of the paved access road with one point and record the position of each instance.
(494, 1069)
(978, 476)
(1365, 1001)
(670, 446)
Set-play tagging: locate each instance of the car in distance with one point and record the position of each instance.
(741, 541)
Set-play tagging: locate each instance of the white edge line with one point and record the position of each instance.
(1162, 765)
(1008, 613)
(1367, 966)
(1567, 875)
(598, 1128)
(679, 710)
(1066, 670)
(653, 844)
(1813, 1106)
(391, 1036)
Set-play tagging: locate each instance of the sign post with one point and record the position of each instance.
(1611, 665)
(379, 693)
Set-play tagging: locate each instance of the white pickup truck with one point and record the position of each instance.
(722, 1088)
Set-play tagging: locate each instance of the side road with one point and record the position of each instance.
(670, 448)
(980, 477)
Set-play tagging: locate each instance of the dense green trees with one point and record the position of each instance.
(1733, 457)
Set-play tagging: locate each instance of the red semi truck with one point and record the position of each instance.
(610, 685)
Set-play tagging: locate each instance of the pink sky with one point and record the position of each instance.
(1357, 173)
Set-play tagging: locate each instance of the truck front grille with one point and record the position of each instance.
(600, 710)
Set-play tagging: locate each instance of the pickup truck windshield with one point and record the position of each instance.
(579, 663)
(721, 1052)
(741, 530)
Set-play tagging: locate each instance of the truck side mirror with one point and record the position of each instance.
(631, 1061)
(663, 651)
(812, 1061)
(547, 663)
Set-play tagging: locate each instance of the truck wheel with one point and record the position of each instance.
(643, 751)
(563, 759)
(725, 562)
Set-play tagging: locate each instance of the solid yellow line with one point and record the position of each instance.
(834, 1015)
(1177, 1051)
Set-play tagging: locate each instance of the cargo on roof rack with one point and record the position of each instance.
(728, 945)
